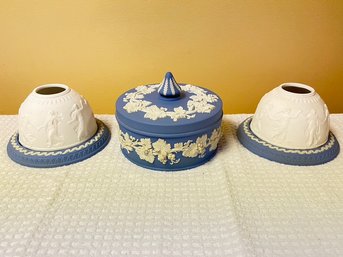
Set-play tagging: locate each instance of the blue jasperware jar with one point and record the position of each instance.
(169, 126)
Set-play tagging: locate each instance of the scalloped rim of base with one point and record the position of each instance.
(51, 159)
(297, 157)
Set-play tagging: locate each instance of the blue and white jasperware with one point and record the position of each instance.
(291, 125)
(169, 126)
(56, 127)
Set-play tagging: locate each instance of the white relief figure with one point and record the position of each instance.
(326, 121)
(81, 127)
(282, 118)
(27, 129)
(313, 128)
(260, 115)
(52, 129)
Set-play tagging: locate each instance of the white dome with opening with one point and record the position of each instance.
(291, 125)
(54, 117)
(292, 116)
(56, 126)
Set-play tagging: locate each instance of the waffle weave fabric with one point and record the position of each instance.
(238, 204)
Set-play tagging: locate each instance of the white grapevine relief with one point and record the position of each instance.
(165, 152)
(200, 102)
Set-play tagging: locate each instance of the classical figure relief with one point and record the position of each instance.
(314, 125)
(27, 129)
(51, 127)
(259, 116)
(312, 128)
(81, 126)
(283, 119)
(326, 121)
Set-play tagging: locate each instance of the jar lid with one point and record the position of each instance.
(168, 108)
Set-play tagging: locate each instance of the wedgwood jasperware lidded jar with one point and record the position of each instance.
(169, 126)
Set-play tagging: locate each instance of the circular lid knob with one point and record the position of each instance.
(169, 87)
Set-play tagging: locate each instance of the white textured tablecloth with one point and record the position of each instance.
(238, 204)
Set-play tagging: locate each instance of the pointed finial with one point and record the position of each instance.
(169, 87)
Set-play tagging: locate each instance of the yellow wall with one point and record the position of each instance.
(239, 49)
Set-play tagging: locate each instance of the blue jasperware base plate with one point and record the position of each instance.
(49, 159)
(299, 157)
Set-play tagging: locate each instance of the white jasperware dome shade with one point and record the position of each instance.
(55, 117)
(292, 116)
